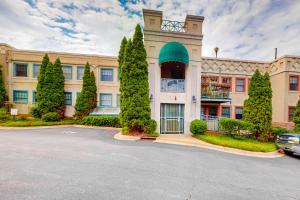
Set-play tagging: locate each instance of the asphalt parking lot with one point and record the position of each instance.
(79, 163)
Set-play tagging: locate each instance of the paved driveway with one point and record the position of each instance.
(79, 163)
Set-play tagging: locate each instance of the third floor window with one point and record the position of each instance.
(294, 83)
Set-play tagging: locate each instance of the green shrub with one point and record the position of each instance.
(234, 126)
(35, 112)
(279, 130)
(150, 126)
(51, 117)
(110, 121)
(154, 134)
(3, 111)
(125, 130)
(198, 127)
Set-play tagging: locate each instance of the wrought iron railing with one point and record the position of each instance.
(172, 26)
(211, 121)
(172, 85)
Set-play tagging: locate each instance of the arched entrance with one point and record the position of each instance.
(173, 60)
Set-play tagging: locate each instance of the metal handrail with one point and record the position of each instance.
(173, 26)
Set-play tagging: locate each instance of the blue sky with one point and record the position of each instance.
(247, 29)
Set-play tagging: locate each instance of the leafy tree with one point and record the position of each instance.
(121, 58)
(136, 103)
(3, 96)
(258, 107)
(52, 97)
(87, 99)
(296, 117)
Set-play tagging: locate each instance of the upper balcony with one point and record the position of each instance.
(172, 85)
(212, 91)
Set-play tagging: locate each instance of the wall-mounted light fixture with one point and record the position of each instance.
(194, 100)
(151, 98)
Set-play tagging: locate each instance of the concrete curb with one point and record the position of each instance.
(190, 141)
(57, 126)
(193, 142)
(119, 136)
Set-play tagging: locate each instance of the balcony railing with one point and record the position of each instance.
(172, 26)
(172, 85)
(215, 90)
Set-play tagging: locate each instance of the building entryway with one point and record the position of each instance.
(171, 118)
(211, 110)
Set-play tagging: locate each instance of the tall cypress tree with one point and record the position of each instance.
(296, 116)
(136, 88)
(87, 99)
(121, 58)
(258, 107)
(52, 98)
(41, 77)
(3, 96)
(125, 77)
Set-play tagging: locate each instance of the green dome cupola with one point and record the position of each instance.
(173, 51)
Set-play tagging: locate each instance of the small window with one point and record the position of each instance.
(105, 100)
(238, 113)
(226, 112)
(118, 100)
(227, 81)
(20, 96)
(106, 74)
(240, 85)
(291, 113)
(35, 70)
(294, 82)
(67, 69)
(80, 72)
(20, 69)
(33, 96)
(68, 98)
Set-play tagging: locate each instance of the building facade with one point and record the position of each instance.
(184, 85)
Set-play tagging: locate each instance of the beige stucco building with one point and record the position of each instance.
(184, 85)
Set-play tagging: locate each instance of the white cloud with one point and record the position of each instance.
(248, 29)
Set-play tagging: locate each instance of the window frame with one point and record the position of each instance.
(118, 100)
(229, 110)
(236, 81)
(237, 107)
(100, 100)
(15, 70)
(77, 67)
(20, 102)
(33, 96)
(298, 82)
(33, 69)
(71, 99)
(289, 112)
(69, 66)
(230, 89)
(107, 68)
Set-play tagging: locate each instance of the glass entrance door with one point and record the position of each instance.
(172, 118)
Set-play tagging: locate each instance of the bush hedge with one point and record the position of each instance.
(234, 126)
(3, 114)
(198, 127)
(110, 121)
(51, 117)
(150, 126)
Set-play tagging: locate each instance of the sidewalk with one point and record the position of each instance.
(188, 140)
